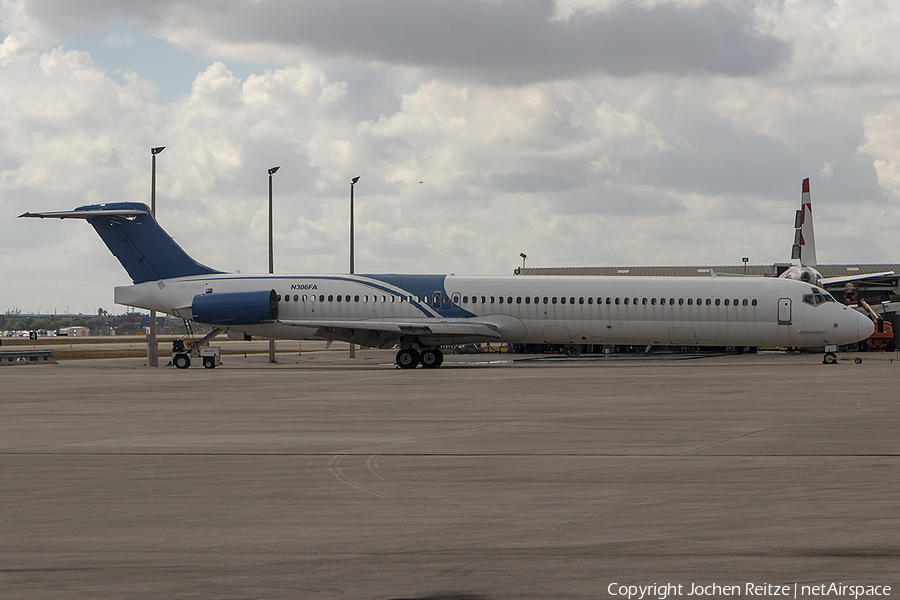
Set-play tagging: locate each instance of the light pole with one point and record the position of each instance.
(152, 345)
(352, 186)
(523, 255)
(271, 255)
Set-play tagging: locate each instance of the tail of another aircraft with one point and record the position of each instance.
(136, 239)
(804, 249)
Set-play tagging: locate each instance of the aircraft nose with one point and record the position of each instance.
(865, 326)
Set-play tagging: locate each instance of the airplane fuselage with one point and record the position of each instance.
(713, 311)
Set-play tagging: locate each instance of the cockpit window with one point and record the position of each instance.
(817, 299)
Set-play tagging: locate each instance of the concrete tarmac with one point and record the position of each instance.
(322, 477)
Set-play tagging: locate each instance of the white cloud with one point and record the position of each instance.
(585, 161)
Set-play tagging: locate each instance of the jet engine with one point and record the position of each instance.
(235, 308)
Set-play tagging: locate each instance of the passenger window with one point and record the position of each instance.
(492, 299)
(708, 301)
(330, 297)
(546, 299)
(553, 300)
(652, 301)
(519, 300)
(745, 302)
(322, 298)
(562, 300)
(644, 301)
(718, 302)
(690, 301)
(608, 300)
(753, 302)
(591, 300)
(726, 301)
(501, 299)
(527, 299)
(356, 298)
(572, 300)
(509, 299)
(617, 301)
(626, 301)
(681, 302)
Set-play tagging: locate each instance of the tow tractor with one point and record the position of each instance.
(183, 349)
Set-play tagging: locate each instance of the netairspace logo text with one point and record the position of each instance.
(797, 590)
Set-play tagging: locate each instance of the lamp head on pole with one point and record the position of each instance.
(354, 180)
(273, 170)
(157, 150)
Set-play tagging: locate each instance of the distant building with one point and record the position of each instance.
(76, 331)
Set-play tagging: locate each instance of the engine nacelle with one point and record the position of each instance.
(235, 308)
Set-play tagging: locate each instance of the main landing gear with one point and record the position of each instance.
(429, 358)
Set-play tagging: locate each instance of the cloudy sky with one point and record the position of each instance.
(580, 132)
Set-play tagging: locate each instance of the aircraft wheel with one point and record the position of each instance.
(209, 362)
(432, 358)
(830, 358)
(408, 359)
(182, 361)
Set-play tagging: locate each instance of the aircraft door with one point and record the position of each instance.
(784, 310)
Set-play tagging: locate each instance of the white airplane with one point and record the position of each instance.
(421, 313)
(804, 249)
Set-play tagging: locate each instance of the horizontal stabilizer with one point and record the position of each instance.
(86, 214)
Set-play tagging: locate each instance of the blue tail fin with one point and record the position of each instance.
(142, 246)
(136, 239)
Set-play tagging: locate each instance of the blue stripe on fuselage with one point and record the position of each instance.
(421, 286)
